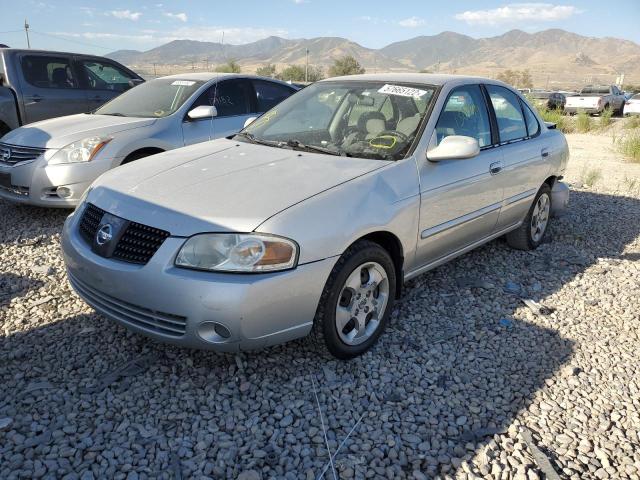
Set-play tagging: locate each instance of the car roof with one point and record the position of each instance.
(208, 76)
(420, 78)
(51, 52)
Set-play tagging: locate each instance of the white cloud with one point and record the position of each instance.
(298, 2)
(178, 16)
(125, 14)
(150, 38)
(516, 12)
(412, 22)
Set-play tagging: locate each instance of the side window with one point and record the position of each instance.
(48, 72)
(105, 76)
(465, 113)
(232, 97)
(269, 94)
(533, 127)
(506, 104)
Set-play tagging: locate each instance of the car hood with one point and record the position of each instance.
(220, 186)
(59, 132)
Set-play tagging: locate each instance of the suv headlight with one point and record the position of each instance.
(80, 151)
(238, 252)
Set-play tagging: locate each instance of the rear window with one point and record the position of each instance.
(595, 91)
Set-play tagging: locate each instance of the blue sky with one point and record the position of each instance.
(102, 27)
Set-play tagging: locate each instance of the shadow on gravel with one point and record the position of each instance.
(454, 367)
(12, 286)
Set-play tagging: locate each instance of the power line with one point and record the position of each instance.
(86, 44)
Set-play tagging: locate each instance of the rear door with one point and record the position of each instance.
(50, 87)
(101, 80)
(525, 154)
(460, 198)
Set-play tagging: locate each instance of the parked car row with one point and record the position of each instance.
(596, 99)
(52, 162)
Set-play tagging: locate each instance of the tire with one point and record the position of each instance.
(621, 110)
(524, 238)
(137, 156)
(360, 264)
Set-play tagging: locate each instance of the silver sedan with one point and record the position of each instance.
(312, 218)
(51, 163)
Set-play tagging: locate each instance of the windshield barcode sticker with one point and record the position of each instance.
(183, 83)
(402, 91)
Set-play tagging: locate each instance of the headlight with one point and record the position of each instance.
(238, 252)
(80, 151)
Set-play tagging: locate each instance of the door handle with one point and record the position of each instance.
(544, 152)
(35, 98)
(495, 168)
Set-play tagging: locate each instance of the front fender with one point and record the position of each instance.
(326, 224)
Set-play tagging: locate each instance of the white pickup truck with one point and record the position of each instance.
(595, 99)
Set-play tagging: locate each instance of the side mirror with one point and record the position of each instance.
(454, 147)
(135, 81)
(249, 121)
(203, 111)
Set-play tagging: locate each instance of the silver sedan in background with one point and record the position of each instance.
(51, 163)
(313, 217)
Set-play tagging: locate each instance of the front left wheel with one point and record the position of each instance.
(356, 301)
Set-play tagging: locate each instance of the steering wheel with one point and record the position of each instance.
(388, 139)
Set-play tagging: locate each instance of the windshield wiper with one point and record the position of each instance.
(114, 114)
(252, 138)
(314, 148)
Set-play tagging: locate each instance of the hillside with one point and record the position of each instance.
(552, 55)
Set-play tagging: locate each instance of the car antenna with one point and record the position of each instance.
(215, 94)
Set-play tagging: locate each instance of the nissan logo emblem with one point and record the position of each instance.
(6, 154)
(104, 234)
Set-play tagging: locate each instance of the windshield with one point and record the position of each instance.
(154, 99)
(375, 120)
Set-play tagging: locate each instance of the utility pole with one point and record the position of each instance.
(306, 67)
(206, 64)
(26, 31)
(154, 70)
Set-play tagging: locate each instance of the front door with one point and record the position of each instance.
(460, 199)
(49, 87)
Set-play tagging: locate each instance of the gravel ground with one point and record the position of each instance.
(467, 382)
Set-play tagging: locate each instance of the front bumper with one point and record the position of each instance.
(35, 182)
(184, 307)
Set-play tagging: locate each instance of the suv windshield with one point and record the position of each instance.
(363, 119)
(153, 99)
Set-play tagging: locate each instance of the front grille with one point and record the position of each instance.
(137, 244)
(90, 221)
(150, 320)
(12, 154)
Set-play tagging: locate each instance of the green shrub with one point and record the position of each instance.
(583, 122)
(563, 123)
(605, 117)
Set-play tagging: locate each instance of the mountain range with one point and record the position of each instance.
(553, 53)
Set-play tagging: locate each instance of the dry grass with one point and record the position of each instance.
(629, 145)
(632, 122)
(591, 176)
(605, 118)
(563, 123)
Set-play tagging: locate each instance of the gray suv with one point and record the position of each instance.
(36, 85)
